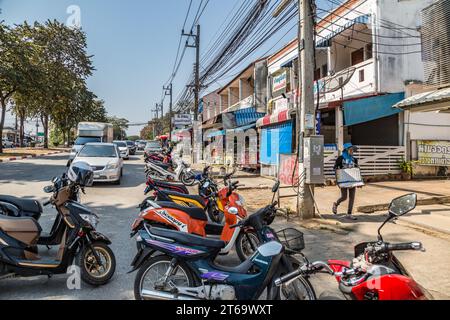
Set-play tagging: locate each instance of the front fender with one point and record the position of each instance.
(97, 236)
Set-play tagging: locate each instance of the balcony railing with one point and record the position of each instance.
(357, 80)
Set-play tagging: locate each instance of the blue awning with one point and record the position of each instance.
(373, 108)
(217, 133)
(326, 41)
(247, 116)
(242, 129)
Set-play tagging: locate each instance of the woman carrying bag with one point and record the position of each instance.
(346, 161)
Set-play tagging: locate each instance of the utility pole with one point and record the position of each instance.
(169, 91)
(197, 86)
(305, 105)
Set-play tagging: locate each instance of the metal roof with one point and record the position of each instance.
(437, 100)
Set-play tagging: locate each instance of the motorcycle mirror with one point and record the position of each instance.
(276, 186)
(206, 185)
(49, 189)
(402, 205)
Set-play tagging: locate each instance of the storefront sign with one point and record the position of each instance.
(279, 82)
(434, 153)
(280, 105)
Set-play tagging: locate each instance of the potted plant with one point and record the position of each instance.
(407, 169)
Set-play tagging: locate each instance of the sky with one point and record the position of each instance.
(133, 43)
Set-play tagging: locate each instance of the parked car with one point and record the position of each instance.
(141, 144)
(105, 160)
(131, 147)
(7, 144)
(123, 148)
(153, 147)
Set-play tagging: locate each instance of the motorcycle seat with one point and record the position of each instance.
(192, 197)
(186, 238)
(170, 185)
(214, 228)
(243, 268)
(26, 205)
(195, 213)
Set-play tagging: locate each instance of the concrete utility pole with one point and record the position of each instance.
(308, 109)
(305, 106)
(196, 67)
(169, 91)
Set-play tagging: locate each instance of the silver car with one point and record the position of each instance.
(123, 148)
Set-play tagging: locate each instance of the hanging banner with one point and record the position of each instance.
(182, 120)
(434, 153)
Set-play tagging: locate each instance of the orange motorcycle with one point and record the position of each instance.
(194, 220)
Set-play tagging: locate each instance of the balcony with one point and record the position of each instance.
(354, 81)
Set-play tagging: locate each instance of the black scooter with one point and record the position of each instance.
(79, 241)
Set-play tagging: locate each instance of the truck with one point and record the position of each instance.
(92, 132)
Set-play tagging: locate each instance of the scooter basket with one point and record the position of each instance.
(291, 239)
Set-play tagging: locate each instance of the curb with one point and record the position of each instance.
(29, 157)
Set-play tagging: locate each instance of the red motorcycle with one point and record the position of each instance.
(375, 273)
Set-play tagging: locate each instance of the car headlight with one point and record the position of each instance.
(92, 219)
(112, 166)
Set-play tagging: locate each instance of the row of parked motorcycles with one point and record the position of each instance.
(179, 237)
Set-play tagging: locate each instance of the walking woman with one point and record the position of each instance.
(346, 161)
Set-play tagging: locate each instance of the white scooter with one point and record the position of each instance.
(183, 173)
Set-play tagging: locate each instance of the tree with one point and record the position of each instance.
(120, 126)
(133, 138)
(17, 71)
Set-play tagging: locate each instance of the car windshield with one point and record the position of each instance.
(81, 141)
(130, 143)
(98, 151)
(153, 144)
(120, 144)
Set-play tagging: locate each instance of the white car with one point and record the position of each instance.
(105, 160)
(123, 148)
(7, 144)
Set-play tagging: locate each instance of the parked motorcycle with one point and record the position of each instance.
(182, 172)
(195, 220)
(178, 266)
(375, 273)
(76, 233)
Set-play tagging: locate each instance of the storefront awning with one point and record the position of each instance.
(373, 108)
(438, 100)
(247, 116)
(279, 117)
(242, 129)
(217, 133)
(326, 41)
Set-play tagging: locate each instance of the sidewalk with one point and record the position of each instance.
(427, 224)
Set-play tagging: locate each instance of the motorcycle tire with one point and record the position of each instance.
(186, 179)
(244, 249)
(153, 261)
(84, 259)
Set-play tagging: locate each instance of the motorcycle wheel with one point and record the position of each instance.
(187, 179)
(152, 271)
(245, 242)
(91, 272)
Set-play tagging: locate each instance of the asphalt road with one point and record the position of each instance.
(116, 207)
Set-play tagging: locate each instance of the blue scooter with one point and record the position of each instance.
(179, 266)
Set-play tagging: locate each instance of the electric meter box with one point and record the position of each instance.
(314, 159)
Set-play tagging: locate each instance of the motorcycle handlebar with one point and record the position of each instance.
(403, 246)
(286, 278)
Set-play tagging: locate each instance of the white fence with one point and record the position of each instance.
(373, 160)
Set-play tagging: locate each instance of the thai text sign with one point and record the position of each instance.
(279, 82)
(182, 120)
(434, 153)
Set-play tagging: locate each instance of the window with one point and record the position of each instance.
(325, 70)
(357, 56)
(361, 75)
(369, 51)
(317, 74)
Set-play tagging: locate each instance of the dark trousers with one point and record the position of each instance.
(351, 195)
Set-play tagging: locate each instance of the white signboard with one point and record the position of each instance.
(279, 82)
(182, 120)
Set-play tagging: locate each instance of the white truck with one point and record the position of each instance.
(92, 132)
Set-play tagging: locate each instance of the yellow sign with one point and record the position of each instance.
(434, 153)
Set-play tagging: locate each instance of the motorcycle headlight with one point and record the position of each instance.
(92, 219)
(112, 166)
